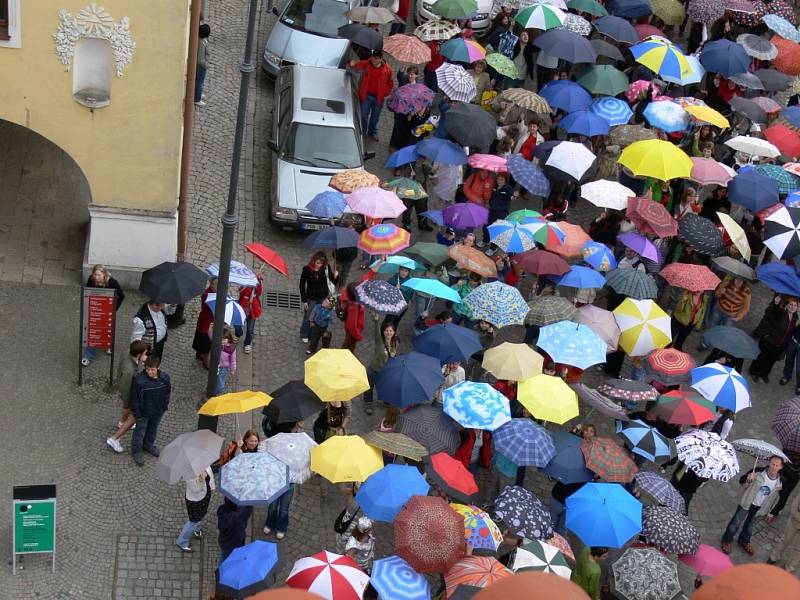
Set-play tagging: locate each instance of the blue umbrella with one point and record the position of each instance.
(604, 514)
(644, 440)
(629, 8)
(432, 287)
(497, 303)
(599, 256)
(722, 385)
(528, 175)
(725, 57)
(240, 274)
(792, 200)
(753, 190)
(409, 379)
(575, 344)
(385, 492)
(617, 29)
(511, 237)
(404, 156)
(781, 26)
(442, 151)
(393, 577)
(584, 122)
(568, 465)
(613, 110)
(234, 313)
(248, 569)
(434, 215)
(332, 238)
(393, 263)
(566, 45)
(580, 277)
(476, 405)
(781, 279)
(524, 443)
(448, 342)
(254, 479)
(667, 116)
(566, 95)
(327, 205)
(791, 114)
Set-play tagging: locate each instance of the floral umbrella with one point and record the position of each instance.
(695, 278)
(707, 455)
(479, 529)
(254, 479)
(429, 534)
(523, 513)
(644, 574)
(381, 296)
(669, 530)
(651, 217)
(350, 180)
(498, 303)
(410, 98)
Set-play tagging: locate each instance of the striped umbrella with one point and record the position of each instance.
(541, 556)
(669, 366)
(644, 440)
(393, 577)
(540, 15)
(724, 386)
(329, 575)
(662, 57)
(464, 51)
(644, 326)
(384, 239)
(526, 99)
(684, 408)
(477, 571)
(455, 82)
(632, 283)
(548, 233)
(613, 110)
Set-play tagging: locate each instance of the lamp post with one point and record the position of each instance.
(229, 219)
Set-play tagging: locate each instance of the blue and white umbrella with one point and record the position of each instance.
(667, 116)
(240, 274)
(782, 27)
(524, 443)
(511, 237)
(476, 405)
(327, 205)
(575, 344)
(528, 175)
(695, 75)
(580, 277)
(393, 577)
(722, 385)
(234, 313)
(613, 110)
(254, 479)
(599, 256)
(644, 440)
(498, 304)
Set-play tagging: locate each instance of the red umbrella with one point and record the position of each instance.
(452, 477)
(429, 534)
(669, 366)
(269, 256)
(329, 575)
(651, 217)
(784, 138)
(695, 278)
(682, 407)
(788, 59)
(477, 571)
(645, 30)
(541, 262)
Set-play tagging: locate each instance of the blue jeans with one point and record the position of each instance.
(199, 80)
(371, 373)
(278, 512)
(186, 533)
(743, 517)
(144, 436)
(250, 328)
(370, 113)
(791, 361)
(222, 376)
(305, 326)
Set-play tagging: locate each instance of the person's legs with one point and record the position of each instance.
(222, 377)
(557, 515)
(249, 331)
(733, 525)
(88, 355)
(368, 395)
(397, 27)
(791, 476)
(278, 513)
(375, 114)
(149, 442)
(305, 326)
(789, 363)
(747, 526)
(365, 108)
(138, 436)
(199, 81)
(314, 337)
(186, 533)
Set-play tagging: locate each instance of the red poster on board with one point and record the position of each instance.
(100, 321)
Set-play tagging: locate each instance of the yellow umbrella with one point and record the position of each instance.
(513, 361)
(345, 458)
(737, 235)
(335, 375)
(656, 158)
(548, 398)
(236, 402)
(644, 326)
(707, 115)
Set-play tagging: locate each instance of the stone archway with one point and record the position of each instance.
(44, 199)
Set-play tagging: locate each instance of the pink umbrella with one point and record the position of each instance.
(376, 203)
(768, 104)
(639, 86)
(707, 561)
(488, 162)
(707, 171)
(792, 167)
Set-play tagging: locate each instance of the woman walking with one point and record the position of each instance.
(198, 495)
(386, 344)
(250, 301)
(101, 278)
(201, 344)
(775, 331)
(317, 281)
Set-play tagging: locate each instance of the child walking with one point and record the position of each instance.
(227, 358)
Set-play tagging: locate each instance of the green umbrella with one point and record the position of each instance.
(502, 64)
(541, 556)
(588, 6)
(604, 79)
(406, 189)
(519, 216)
(431, 253)
(671, 12)
(454, 9)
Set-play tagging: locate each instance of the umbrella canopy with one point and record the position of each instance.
(599, 256)
(598, 401)
(465, 215)
(396, 443)
(248, 569)
(437, 30)
(269, 256)
(407, 48)
(669, 530)
(640, 244)
(381, 296)
(602, 322)
(540, 15)
(513, 362)
(385, 492)
(429, 534)
(656, 158)
(786, 425)
(604, 79)
(618, 29)
(502, 64)
(404, 156)
(644, 326)
(759, 449)
(345, 458)
(695, 278)
(294, 449)
(526, 99)
(573, 344)
(361, 35)
(581, 278)
(701, 234)
(498, 303)
(750, 109)
(332, 238)
(429, 252)
(651, 217)
(462, 50)
(433, 288)
(662, 57)
(350, 180)
(331, 576)
(707, 455)
(329, 204)
(683, 408)
(292, 402)
(524, 443)
(552, 235)
(629, 8)
(235, 315)
(613, 110)
(523, 513)
(572, 158)
(603, 514)
(393, 264)
(384, 238)
(667, 116)
(782, 232)
(173, 282)
(566, 45)
(757, 47)
(731, 340)
(568, 464)
(705, 11)
(528, 175)
(541, 556)
(584, 122)
(455, 82)
(335, 375)
(511, 237)
(393, 577)
(706, 114)
(448, 342)
(737, 268)
(476, 405)
(549, 309)
(606, 49)
(478, 571)
(431, 427)
(409, 379)
(644, 440)
(774, 81)
(633, 283)
(725, 57)
(451, 477)
(454, 9)
(753, 190)
(234, 402)
(442, 151)
(628, 390)
(548, 398)
(780, 278)
(661, 489)
(479, 529)
(707, 561)
(253, 479)
(488, 162)
(591, 7)
(782, 27)
(608, 459)
(470, 125)
(722, 385)
(410, 98)
(625, 135)
(188, 455)
(645, 573)
(781, 178)
(240, 274)
(753, 146)
(736, 234)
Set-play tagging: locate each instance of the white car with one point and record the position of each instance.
(480, 23)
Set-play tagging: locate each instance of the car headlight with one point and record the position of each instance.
(288, 214)
(271, 58)
(481, 17)
(427, 6)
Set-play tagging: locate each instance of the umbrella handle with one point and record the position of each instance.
(755, 462)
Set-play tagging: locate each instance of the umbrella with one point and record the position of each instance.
(511, 237)
(479, 529)
(451, 477)
(629, 8)
(602, 322)
(498, 303)
(462, 50)
(695, 278)
(731, 340)
(584, 122)
(478, 571)
(613, 110)
(628, 390)
(782, 232)
(661, 489)
(707, 171)
(779, 177)
(577, 24)
(269, 256)
(604, 79)
(393, 264)
(608, 459)
(409, 379)
(437, 30)
(488, 162)
(564, 238)
(548, 398)
(618, 29)
(606, 194)
(706, 114)
(549, 309)
(598, 401)
(722, 385)
(430, 252)
(385, 492)
(524, 443)
(448, 342)
(433, 288)
(606, 49)
(528, 175)
(335, 375)
(662, 57)
(625, 135)
(239, 274)
(541, 556)
(523, 513)
(667, 116)
(329, 204)
(345, 458)
(747, 80)
(407, 48)
(569, 343)
(656, 158)
(541, 262)
(172, 282)
(455, 83)
(393, 577)
(470, 125)
(669, 366)
(253, 479)
(332, 238)
(701, 234)
(465, 215)
(669, 530)
(404, 156)
(773, 81)
(757, 47)
(361, 35)
(633, 283)
(384, 238)
(331, 576)
(753, 190)
(566, 45)
(293, 402)
(248, 569)
(750, 109)
(476, 405)
(396, 443)
(782, 27)
(429, 426)
(650, 217)
(502, 64)
(705, 11)
(540, 15)
(759, 449)
(591, 7)
(410, 98)
(381, 296)
(707, 455)
(188, 455)
(707, 561)
(429, 534)
(526, 100)
(786, 425)
(350, 180)
(639, 244)
(644, 326)
(737, 268)
(580, 277)
(599, 256)
(753, 146)
(644, 440)
(782, 279)
(454, 9)
(725, 57)
(566, 95)
(603, 514)
(644, 574)
(513, 362)
(234, 402)
(294, 449)
(572, 158)
(234, 313)
(568, 465)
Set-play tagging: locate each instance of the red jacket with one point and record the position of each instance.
(206, 316)
(250, 299)
(402, 9)
(437, 60)
(464, 451)
(377, 79)
(354, 314)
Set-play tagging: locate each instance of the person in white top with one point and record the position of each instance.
(631, 260)
(198, 495)
(150, 325)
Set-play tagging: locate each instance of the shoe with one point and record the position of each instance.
(108, 351)
(368, 408)
(138, 459)
(85, 362)
(198, 534)
(374, 137)
(771, 562)
(765, 378)
(783, 381)
(304, 340)
(185, 548)
(747, 547)
(153, 450)
(280, 535)
(309, 352)
(201, 103)
(115, 445)
(726, 547)
(267, 530)
(248, 349)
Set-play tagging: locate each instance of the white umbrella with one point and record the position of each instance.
(455, 82)
(607, 194)
(294, 449)
(234, 313)
(753, 146)
(572, 158)
(541, 556)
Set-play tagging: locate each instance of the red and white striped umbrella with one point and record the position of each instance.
(330, 576)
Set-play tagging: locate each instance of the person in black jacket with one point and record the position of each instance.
(101, 278)
(773, 332)
(150, 394)
(232, 525)
(315, 282)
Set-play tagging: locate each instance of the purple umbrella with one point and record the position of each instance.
(641, 245)
(465, 215)
(410, 98)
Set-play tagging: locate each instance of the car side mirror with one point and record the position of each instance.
(275, 11)
(273, 145)
(369, 154)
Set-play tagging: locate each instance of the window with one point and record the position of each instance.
(321, 146)
(323, 17)
(4, 20)
(10, 35)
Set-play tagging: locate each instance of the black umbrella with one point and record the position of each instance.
(782, 232)
(429, 426)
(749, 109)
(361, 35)
(470, 125)
(331, 238)
(773, 81)
(669, 530)
(701, 234)
(173, 282)
(731, 340)
(292, 402)
(603, 48)
(618, 29)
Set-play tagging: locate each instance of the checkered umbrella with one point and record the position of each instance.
(632, 283)
(669, 530)
(786, 425)
(629, 390)
(599, 402)
(381, 296)
(528, 175)
(429, 426)
(396, 443)
(549, 309)
(707, 455)
(645, 574)
(437, 30)
(661, 489)
(455, 82)
(524, 443)
(644, 440)
(609, 460)
(497, 303)
(523, 513)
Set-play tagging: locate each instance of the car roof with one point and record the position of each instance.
(322, 96)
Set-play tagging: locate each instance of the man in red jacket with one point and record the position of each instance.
(376, 84)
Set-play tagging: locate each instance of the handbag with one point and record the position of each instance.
(341, 523)
(331, 286)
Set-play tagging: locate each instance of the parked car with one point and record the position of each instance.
(316, 133)
(480, 22)
(306, 33)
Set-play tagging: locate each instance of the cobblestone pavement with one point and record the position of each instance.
(117, 522)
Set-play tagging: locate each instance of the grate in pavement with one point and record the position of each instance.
(287, 300)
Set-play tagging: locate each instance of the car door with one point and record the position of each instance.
(281, 119)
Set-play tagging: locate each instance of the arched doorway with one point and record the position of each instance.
(44, 199)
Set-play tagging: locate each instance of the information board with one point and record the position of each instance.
(98, 323)
(34, 514)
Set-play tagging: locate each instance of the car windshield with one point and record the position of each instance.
(321, 146)
(322, 17)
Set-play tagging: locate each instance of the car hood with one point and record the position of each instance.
(298, 184)
(305, 48)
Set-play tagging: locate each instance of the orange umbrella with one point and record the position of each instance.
(788, 59)
(284, 594)
(535, 585)
(351, 179)
(477, 571)
(575, 238)
(739, 583)
(472, 259)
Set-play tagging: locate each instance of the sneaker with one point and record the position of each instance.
(267, 530)
(138, 459)
(114, 445)
(108, 351)
(783, 381)
(153, 450)
(201, 103)
(280, 535)
(771, 562)
(309, 352)
(186, 548)
(304, 340)
(198, 534)
(248, 349)
(85, 362)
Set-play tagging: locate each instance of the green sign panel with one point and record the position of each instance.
(34, 526)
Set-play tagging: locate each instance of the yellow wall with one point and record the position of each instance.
(129, 150)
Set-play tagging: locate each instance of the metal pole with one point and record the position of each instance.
(230, 219)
